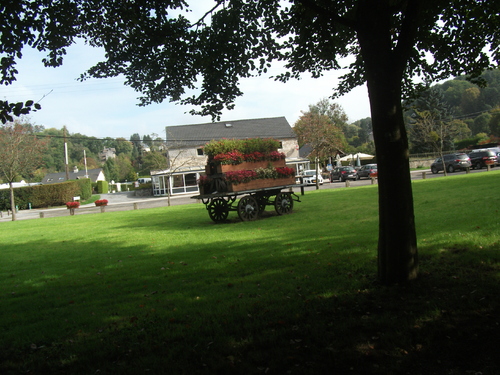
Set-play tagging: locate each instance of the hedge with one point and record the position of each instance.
(102, 187)
(46, 195)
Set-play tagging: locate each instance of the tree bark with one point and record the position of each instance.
(384, 68)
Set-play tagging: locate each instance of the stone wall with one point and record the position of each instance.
(426, 163)
(143, 192)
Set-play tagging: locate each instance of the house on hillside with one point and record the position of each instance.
(94, 175)
(187, 160)
(107, 153)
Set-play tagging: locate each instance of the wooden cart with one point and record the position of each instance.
(251, 204)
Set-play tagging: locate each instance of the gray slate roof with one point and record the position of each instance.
(53, 178)
(199, 134)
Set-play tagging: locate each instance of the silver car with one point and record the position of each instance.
(452, 162)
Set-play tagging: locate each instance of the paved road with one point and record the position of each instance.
(123, 201)
(126, 201)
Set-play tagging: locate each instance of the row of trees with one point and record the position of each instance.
(455, 115)
(136, 156)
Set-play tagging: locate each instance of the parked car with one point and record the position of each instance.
(367, 170)
(480, 158)
(452, 162)
(310, 177)
(344, 173)
(496, 150)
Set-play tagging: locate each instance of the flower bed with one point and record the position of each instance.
(244, 164)
(101, 202)
(260, 184)
(72, 204)
(251, 179)
(223, 168)
(243, 146)
(237, 151)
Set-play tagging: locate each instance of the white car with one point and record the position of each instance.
(310, 177)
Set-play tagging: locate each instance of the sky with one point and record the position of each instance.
(107, 108)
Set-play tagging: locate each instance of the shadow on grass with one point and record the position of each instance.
(235, 308)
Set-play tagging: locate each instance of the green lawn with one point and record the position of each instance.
(168, 291)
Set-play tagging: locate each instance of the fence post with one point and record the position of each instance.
(136, 206)
(103, 208)
(347, 183)
(42, 215)
(424, 175)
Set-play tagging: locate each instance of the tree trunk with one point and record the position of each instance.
(384, 69)
(397, 245)
(317, 173)
(12, 202)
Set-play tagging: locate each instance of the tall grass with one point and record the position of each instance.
(165, 290)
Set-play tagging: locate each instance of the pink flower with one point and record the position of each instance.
(238, 177)
(284, 172)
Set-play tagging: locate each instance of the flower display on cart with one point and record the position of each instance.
(233, 157)
(237, 151)
(238, 177)
(242, 176)
(284, 172)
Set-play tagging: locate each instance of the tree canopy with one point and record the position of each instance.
(321, 130)
(165, 55)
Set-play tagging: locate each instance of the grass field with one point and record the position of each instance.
(166, 291)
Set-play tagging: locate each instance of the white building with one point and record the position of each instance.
(187, 160)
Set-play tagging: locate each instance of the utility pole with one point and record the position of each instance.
(85, 161)
(66, 154)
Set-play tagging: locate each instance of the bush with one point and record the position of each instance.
(47, 195)
(102, 187)
(244, 146)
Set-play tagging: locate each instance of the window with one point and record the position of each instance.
(199, 151)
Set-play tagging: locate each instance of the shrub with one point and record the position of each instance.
(47, 195)
(244, 146)
(102, 187)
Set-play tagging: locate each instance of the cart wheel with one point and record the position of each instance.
(218, 210)
(283, 203)
(262, 201)
(248, 208)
